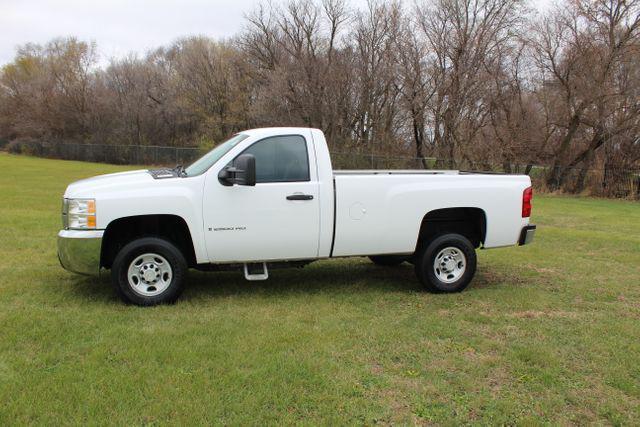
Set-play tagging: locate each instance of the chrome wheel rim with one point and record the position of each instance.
(449, 265)
(149, 274)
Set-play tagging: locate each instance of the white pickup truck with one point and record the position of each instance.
(268, 198)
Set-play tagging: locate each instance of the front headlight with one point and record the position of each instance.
(79, 214)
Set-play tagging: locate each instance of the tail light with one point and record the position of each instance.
(527, 195)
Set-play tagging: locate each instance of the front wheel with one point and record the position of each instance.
(149, 271)
(446, 264)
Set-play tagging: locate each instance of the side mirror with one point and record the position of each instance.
(242, 172)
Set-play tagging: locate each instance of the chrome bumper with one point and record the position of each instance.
(527, 234)
(79, 250)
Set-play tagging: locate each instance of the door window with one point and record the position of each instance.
(281, 159)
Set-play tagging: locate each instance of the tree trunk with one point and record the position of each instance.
(555, 180)
(418, 135)
(582, 175)
(596, 142)
(506, 167)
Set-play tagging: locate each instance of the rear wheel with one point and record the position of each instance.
(446, 264)
(149, 271)
(388, 260)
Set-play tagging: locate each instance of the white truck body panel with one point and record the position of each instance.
(382, 214)
(258, 223)
(136, 193)
(326, 193)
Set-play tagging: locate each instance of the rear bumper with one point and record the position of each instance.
(527, 234)
(79, 250)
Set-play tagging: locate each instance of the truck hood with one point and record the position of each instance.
(91, 187)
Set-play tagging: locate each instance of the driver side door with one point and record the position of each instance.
(278, 218)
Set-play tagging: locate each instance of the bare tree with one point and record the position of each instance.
(581, 52)
(417, 83)
(465, 39)
(49, 89)
(376, 84)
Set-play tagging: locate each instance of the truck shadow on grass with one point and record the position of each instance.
(335, 276)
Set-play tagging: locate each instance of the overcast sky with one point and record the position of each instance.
(122, 26)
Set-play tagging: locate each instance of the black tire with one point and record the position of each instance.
(426, 272)
(388, 260)
(149, 245)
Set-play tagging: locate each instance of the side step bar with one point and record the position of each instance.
(256, 271)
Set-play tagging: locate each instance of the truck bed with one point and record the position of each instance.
(381, 211)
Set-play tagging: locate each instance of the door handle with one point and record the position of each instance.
(300, 197)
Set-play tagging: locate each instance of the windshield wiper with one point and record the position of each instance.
(180, 170)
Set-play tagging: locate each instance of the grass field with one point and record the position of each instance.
(545, 333)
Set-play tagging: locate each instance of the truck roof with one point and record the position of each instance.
(275, 130)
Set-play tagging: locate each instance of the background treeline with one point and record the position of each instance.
(474, 83)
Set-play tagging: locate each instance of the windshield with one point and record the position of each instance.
(208, 160)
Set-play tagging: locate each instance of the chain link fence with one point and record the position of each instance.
(611, 182)
(114, 154)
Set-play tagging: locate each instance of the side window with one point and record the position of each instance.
(281, 159)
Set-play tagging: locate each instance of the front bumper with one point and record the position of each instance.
(527, 234)
(79, 250)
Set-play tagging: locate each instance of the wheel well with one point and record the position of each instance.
(124, 230)
(469, 222)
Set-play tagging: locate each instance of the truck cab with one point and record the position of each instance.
(270, 196)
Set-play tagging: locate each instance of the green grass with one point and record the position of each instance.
(545, 333)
